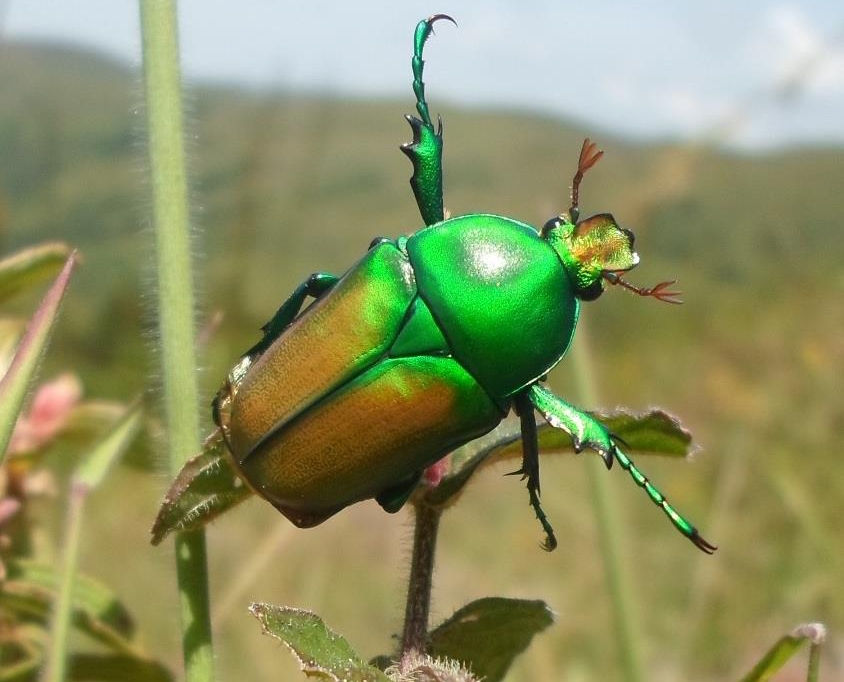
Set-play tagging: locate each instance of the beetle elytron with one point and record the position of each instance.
(424, 344)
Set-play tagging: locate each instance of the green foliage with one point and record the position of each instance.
(488, 634)
(26, 600)
(321, 652)
(21, 372)
(784, 648)
(483, 638)
(206, 487)
(31, 266)
(30, 590)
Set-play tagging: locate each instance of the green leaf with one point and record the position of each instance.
(487, 635)
(206, 487)
(653, 432)
(16, 381)
(90, 419)
(116, 668)
(94, 467)
(23, 657)
(31, 266)
(779, 654)
(22, 652)
(10, 333)
(320, 651)
(30, 590)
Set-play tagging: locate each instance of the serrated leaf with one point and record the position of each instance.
(21, 372)
(321, 652)
(116, 668)
(785, 647)
(653, 432)
(31, 266)
(206, 487)
(487, 635)
(30, 590)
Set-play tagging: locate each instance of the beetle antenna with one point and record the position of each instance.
(658, 291)
(589, 155)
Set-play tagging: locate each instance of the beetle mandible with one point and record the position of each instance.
(423, 345)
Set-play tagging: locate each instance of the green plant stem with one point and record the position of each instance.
(55, 667)
(606, 515)
(415, 633)
(162, 82)
(813, 673)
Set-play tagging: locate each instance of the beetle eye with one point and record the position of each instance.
(551, 224)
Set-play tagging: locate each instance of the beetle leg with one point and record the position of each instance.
(426, 149)
(316, 285)
(588, 432)
(530, 465)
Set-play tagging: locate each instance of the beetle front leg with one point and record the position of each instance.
(588, 432)
(426, 149)
(530, 465)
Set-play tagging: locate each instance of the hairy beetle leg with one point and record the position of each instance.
(530, 466)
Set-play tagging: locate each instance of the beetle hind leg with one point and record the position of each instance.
(530, 465)
(392, 499)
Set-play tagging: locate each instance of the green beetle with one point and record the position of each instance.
(424, 344)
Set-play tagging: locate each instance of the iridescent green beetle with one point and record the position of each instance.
(424, 344)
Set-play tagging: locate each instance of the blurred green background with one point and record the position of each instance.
(285, 184)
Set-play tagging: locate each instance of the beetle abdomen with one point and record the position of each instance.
(500, 295)
(380, 428)
(342, 334)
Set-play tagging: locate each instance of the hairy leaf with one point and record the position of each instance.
(487, 635)
(320, 651)
(206, 487)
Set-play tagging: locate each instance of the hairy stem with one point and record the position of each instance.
(162, 81)
(606, 515)
(415, 635)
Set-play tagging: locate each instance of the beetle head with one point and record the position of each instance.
(591, 250)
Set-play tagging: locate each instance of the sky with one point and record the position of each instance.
(753, 74)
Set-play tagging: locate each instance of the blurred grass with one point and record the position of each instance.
(287, 185)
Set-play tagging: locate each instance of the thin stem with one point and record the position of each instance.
(606, 515)
(813, 673)
(54, 669)
(162, 81)
(415, 635)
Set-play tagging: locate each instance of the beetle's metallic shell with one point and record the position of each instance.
(325, 417)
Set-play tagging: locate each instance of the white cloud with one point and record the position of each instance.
(794, 51)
